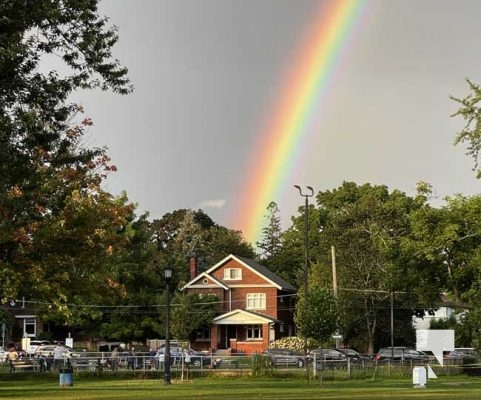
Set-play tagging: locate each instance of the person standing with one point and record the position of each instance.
(131, 359)
(114, 359)
(42, 362)
(12, 357)
(58, 356)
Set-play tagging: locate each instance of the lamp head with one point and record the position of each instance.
(168, 271)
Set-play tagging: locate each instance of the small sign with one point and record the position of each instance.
(337, 336)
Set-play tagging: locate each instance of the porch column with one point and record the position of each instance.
(214, 337)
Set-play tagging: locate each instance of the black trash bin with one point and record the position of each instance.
(66, 376)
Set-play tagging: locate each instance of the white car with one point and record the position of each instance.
(34, 344)
(48, 349)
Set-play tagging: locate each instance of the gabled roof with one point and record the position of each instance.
(267, 273)
(202, 276)
(242, 317)
(257, 268)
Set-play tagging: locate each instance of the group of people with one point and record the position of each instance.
(54, 360)
(153, 360)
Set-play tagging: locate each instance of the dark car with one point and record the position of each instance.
(400, 354)
(327, 354)
(354, 356)
(190, 356)
(285, 357)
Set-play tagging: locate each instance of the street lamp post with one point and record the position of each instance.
(306, 231)
(168, 277)
(306, 251)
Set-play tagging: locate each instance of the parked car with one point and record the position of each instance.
(48, 349)
(461, 352)
(327, 354)
(400, 354)
(34, 344)
(285, 357)
(195, 358)
(327, 358)
(354, 355)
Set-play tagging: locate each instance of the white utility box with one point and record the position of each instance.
(419, 377)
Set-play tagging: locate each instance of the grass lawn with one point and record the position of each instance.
(458, 387)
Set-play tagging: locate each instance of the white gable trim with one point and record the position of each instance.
(242, 317)
(194, 283)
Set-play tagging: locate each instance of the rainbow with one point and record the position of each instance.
(290, 123)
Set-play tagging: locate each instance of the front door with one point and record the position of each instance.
(231, 333)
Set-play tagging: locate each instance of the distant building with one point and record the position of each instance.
(256, 306)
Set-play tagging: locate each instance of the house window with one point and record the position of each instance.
(256, 301)
(29, 327)
(232, 274)
(203, 335)
(253, 332)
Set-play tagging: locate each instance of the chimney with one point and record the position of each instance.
(193, 268)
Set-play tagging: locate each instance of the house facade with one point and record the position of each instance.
(255, 308)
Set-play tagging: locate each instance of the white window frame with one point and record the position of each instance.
(232, 274)
(253, 332)
(256, 301)
(30, 322)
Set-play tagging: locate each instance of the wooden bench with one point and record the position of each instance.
(23, 365)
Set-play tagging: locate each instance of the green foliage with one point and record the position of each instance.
(369, 227)
(317, 314)
(469, 110)
(271, 242)
(183, 234)
(59, 229)
(192, 313)
(261, 366)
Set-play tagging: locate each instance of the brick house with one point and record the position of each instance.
(256, 306)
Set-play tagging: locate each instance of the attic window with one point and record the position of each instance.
(232, 274)
(205, 281)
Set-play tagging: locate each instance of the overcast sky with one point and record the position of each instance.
(206, 71)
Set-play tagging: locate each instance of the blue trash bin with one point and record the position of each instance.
(66, 377)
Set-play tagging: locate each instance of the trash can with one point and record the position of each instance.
(66, 377)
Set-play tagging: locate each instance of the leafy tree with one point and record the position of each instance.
(192, 313)
(221, 241)
(470, 111)
(70, 254)
(449, 237)
(44, 169)
(367, 225)
(136, 276)
(185, 233)
(166, 229)
(316, 314)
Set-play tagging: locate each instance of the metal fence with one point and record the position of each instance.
(99, 362)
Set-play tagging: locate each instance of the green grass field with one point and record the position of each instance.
(458, 387)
